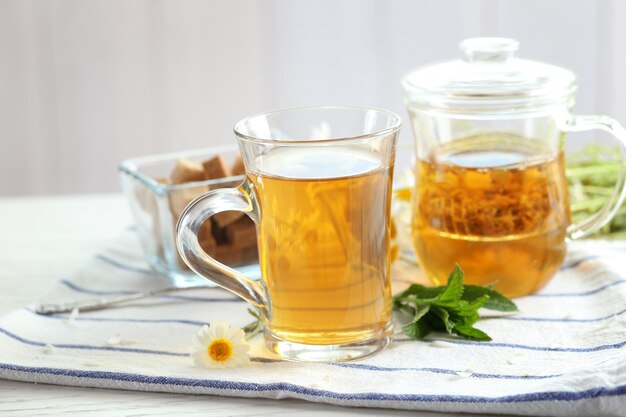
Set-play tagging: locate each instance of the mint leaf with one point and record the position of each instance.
(466, 314)
(470, 332)
(417, 329)
(424, 294)
(496, 301)
(454, 290)
(466, 309)
(419, 313)
(415, 302)
(254, 314)
(444, 317)
(452, 308)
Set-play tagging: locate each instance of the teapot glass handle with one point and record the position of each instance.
(606, 213)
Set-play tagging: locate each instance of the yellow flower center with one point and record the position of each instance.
(220, 350)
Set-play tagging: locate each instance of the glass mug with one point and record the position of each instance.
(491, 191)
(318, 187)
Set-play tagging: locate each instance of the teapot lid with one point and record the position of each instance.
(489, 78)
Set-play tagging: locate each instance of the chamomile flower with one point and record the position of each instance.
(220, 346)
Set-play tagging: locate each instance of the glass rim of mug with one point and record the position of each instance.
(395, 125)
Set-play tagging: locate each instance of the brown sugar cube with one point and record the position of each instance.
(209, 246)
(228, 255)
(187, 171)
(225, 218)
(205, 232)
(219, 234)
(242, 233)
(215, 168)
(205, 237)
(206, 240)
(238, 167)
(179, 199)
(249, 255)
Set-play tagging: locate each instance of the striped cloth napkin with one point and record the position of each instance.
(564, 355)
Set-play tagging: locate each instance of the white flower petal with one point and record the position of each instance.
(218, 330)
(235, 361)
(199, 337)
(241, 348)
(114, 341)
(465, 373)
(207, 362)
(198, 359)
(205, 332)
(234, 332)
(198, 348)
(517, 358)
(72, 317)
(244, 360)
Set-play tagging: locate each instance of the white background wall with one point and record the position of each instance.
(87, 83)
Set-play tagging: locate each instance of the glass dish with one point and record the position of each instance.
(156, 207)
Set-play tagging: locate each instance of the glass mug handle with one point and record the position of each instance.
(214, 202)
(602, 217)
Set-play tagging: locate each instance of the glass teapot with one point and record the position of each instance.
(491, 191)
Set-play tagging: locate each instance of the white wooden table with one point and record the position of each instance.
(45, 238)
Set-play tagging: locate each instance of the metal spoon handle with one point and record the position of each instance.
(103, 302)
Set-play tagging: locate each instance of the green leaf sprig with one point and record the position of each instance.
(592, 173)
(253, 328)
(452, 308)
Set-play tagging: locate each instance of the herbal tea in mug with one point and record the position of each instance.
(490, 191)
(494, 208)
(323, 243)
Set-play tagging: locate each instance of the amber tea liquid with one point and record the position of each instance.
(496, 209)
(324, 243)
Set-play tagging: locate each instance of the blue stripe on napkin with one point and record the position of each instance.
(298, 389)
